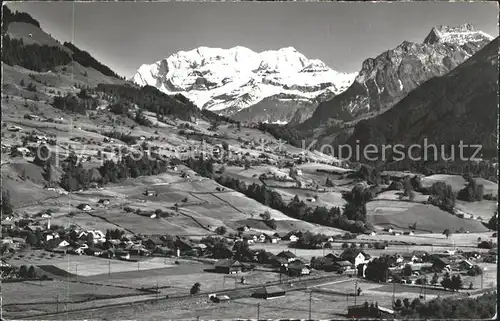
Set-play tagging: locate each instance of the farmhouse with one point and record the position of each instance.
(152, 243)
(333, 256)
(84, 207)
(341, 265)
(104, 201)
(410, 258)
(227, 266)
(269, 292)
(150, 193)
(441, 263)
(287, 255)
(465, 265)
(277, 261)
(298, 268)
(356, 256)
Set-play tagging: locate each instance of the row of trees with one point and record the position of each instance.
(285, 133)
(33, 56)
(483, 307)
(74, 104)
(353, 218)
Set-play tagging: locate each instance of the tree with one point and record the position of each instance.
(398, 304)
(23, 271)
(435, 279)
(471, 286)
(407, 270)
(266, 216)
(7, 208)
(31, 272)
(492, 223)
(359, 291)
(22, 83)
(447, 233)
(195, 288)
(456, 282)
(221, 230)
(446, 281)
(31, 239)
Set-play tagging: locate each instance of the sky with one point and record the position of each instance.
(125, 35)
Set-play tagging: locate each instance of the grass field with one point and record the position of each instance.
(30, 291)
(85, 265)
(398, 214)
(483, 209)
(457, 183)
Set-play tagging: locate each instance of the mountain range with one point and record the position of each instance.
(386, 79)
(272, 84)
(459, 106)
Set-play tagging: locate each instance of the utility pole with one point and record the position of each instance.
(57, 304)
(137, 266)
(76, 272)
(355, 290)
(258, 311)
(109, 267)
(310, 304)
(393, 291)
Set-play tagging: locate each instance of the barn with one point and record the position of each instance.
(269, 292)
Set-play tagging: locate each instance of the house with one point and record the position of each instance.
(151, 193)
(332, 256)
(366, 311)
(287, 255)
(355, 256)
(408, 233)
(14, 128)
(277, 261)
(465, 265)
(388, 229)
(152, 243)
(410, 258)
(342, 265)
(56, 243)
(262, 238)
(293, 238)
(298, 268)
(250, 238)
(269, 292)
(183, 244)
(274, 239)
(84, 207)
(441, 263)
(94, 251)
(7, 225)
(104, 201)
(227, 266)
(97, 235)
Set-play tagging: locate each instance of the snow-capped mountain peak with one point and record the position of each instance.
(458, 35)
(235, 78)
